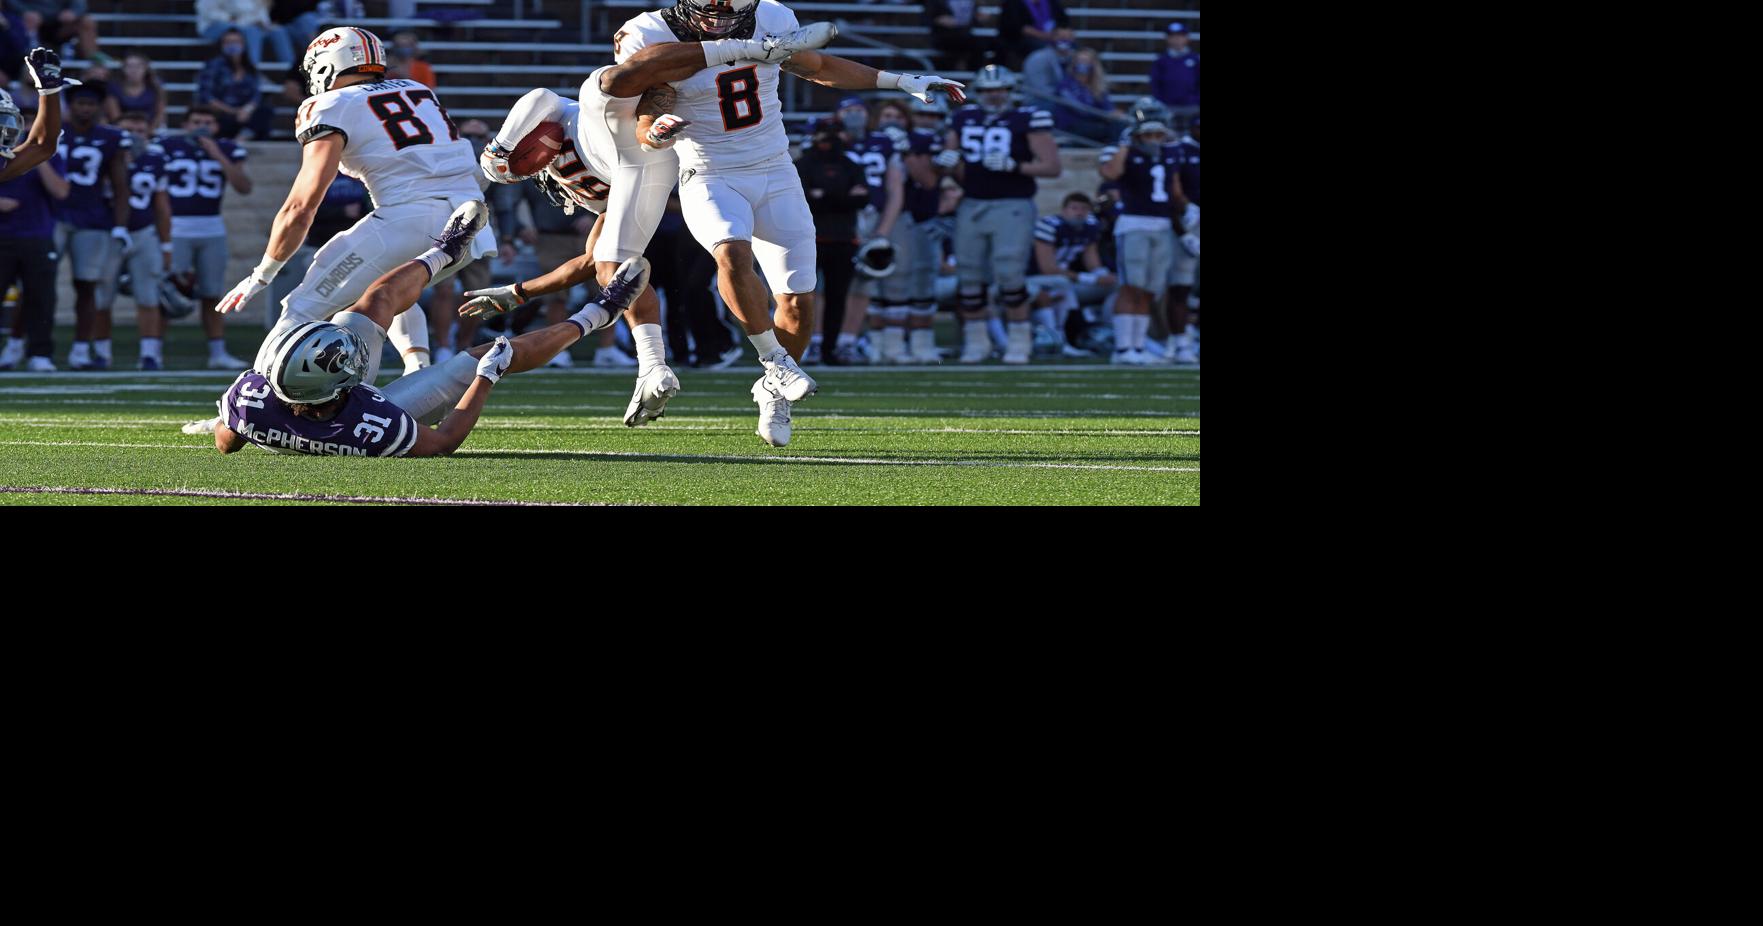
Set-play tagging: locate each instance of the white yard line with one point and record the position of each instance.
(290, 496)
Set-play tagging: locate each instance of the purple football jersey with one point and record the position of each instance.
(1144, 187)
(368, 425)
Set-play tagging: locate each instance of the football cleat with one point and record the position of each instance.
(787, 379)
(227, 362)
(462, 226)
(612, 357)
(781, 46)
(774, 414)
(1131, 358)
(40, 365)
(563, 361)
(13, 353)
(149, 364)
(627, 284)
(649, 401)
(205, 426)
(976, 351)
(812, 354)
(728, 358)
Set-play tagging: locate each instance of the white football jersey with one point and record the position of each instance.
(397, 140)
(736, 118)
(578, 168)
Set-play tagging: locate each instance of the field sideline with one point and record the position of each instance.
(1055, 434)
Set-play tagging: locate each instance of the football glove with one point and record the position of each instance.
(489, 303)
(1001, 162)
(898, 136)
(45, 68)
(664, 131)
(494, 162)
(494, 364)
(242, 294)
(922, 86)
(947, 158)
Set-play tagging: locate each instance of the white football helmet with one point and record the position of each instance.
(11, 124)
(340, 51)
(316, 362)
(710, 19)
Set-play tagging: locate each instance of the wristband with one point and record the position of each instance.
(268, 268)
(520, 294)
(166, 248)
(887, 80)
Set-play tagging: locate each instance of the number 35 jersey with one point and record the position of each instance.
(397, 140)
(735, 115)
(195, 183)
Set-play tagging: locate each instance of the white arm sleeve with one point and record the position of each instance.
(538, 106)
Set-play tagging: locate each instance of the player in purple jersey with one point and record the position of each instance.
(1067, 271)
(923, 191)
(1184, 337)
(311, 390)
(148, 256)
(94, 216)
(20, 157)
(27, 257)
(996, 151)
(879, 228)
(199, 167)
(1151, 200)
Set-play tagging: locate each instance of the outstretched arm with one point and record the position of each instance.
(453, 431)
(844, 74)
(45, 70)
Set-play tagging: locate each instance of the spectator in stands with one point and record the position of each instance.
(139, 90)
(420, 71)
(299, 20)
(837, 189)
(1025, 26)
(229, 84)
(250, 18)
(1085, 85)
(15, 41)
(56, 22)
(1045, 68)
(951, 25)
(27, 256)
(1175, 77)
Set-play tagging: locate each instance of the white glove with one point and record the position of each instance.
(664, 131)
(494, 162)
(1190, 218)
(242, 294)
(1001, 162)
(947, 158)
(923, 86)
(898, 136)
(1191, 244)
(495, 363)
(489, 303)
(121, 234)
(1107, 154)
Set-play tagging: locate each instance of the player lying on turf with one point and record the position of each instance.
(604, 166)
(312, 399)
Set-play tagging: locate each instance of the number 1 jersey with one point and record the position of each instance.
(735, 115)
(397, 140)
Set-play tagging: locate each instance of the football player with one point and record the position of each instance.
(149, 254)
(397, 139)
(94, 216)
(996, 150)
(1146, 164)
(1068, 270)
(740, 192)
(198, 170)
(923, 192)
(884, 226)
(314, 393)
(1184, 338)
(21, 157)
(609, 168)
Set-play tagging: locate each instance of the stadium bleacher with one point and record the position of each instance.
(485, 56)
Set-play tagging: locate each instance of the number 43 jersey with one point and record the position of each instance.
(368, 425)
(735, 115)
(397, 140)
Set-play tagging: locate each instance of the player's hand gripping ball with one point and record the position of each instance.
(534, 153)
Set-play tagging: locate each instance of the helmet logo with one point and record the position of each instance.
(328, 42)
(332, 356)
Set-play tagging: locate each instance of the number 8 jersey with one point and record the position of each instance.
(735, 115)
(397, 140)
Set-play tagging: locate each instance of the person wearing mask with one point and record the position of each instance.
(1147, 166)
(420, 71)
(28, 199)
(1085, 85)
(951, 25)
(1067, 271)
(837, 190)
(249, 18)
(1175, 76)
(229, 86)
(928, 234)
(1044, 69)
(1025, 26)
(138, 90)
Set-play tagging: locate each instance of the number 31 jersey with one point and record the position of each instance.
(397, 140)
(735, 115)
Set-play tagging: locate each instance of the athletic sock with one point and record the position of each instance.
(1021, 337)
(216, 348)
(81, 354)
(591, 317)
(651, 349)
(974, 332)
(150, 347)
(434, 259)
(765, 342)
(924, 341)
(101, 347)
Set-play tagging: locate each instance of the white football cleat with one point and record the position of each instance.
(1185, 356)
(13, 353)
(976, 350)
(227, 362)
(563, 361)
(612, 357)
(774, 414)
(205, 426)
(40, 365)
(787, 380)
(1131, 358)
(1069, 351)
(781, 46)
(649, 401)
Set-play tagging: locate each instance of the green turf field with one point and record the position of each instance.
(950, 435)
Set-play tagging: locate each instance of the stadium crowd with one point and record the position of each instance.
(917, 208)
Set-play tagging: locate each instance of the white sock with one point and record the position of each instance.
(217, 347)
(434, 259)
(591, 317)
(101, 347)
(651, 350)
(975, 331)
(409, 335)
(81, 353)
(924, 340)
(1140, 325)
(846, 339)
(765, 342)
(150, 347)
(1021, 335)
(893, 341)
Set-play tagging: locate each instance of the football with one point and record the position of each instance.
(537, 150)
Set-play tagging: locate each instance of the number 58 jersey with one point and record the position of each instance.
(735, 115)
(397, 140)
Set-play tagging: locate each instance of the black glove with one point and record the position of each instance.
(45, 68)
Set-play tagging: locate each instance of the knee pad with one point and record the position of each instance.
(895, 314)
(971, 298)
(923, 309)
(1012, 298)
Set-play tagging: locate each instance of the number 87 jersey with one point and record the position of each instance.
(734, 110)
(397, 140)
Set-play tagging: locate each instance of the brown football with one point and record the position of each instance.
(537, 150)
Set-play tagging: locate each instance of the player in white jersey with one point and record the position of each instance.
(606, 167)
(738, 187)
(393, 136)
